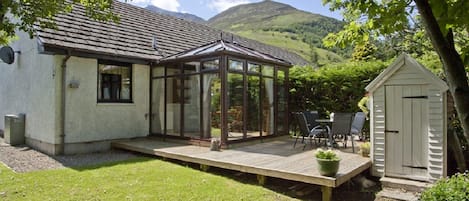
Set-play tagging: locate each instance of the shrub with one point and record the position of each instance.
(331, 88)
(326, 154)
(454, 188)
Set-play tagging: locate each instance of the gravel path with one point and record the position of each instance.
(24, 159)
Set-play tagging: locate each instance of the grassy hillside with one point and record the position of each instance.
(283, 26)
(290, 42)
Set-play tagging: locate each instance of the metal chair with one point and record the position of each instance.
(357, 125)
(305, 130)
(320, 131)
(341, 127)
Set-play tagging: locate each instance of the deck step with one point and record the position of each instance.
(393, 194)
(404, 184)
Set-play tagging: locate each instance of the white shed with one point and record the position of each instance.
(408, 122)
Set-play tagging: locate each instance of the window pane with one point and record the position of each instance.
(212, 105)
(157, 101)
(282, 102)
(268, 71)
(114, 83)
(173, 69)
(235, 106)
(235, 65)
(192, 106)
(254, 68)
(253, 106)
(158, 71)
(191, 67)
(268, 106)
(173, 106)
(211, 65)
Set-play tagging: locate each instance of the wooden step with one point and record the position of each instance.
(392, 194)
(405, 184)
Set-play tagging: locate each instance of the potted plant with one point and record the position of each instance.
(328, 162)
(365, 149)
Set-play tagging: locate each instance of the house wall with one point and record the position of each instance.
(28, 86)
(408, 75)
(90, 126)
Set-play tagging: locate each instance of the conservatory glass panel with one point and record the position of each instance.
(211, 105)
(235, 114)
(253, 107)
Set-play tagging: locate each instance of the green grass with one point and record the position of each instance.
(285, 41)
(136, 179)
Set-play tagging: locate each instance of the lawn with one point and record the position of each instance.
(137, 179)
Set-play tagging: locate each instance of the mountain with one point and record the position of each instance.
(284, 26)
(186, 16)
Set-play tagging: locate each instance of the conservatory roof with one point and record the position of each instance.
(231, 48)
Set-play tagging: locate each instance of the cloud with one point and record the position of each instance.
(221, 5)
(171, 5)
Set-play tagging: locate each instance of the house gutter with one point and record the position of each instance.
(61, 147)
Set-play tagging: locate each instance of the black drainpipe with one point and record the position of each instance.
(61, 148)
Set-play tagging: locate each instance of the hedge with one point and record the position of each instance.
(332, 88)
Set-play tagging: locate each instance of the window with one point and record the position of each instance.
(114, 82)
(235, 65)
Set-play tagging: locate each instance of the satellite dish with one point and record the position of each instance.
(7, 54)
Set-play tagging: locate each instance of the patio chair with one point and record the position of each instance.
(341, 127)
(304, 129)
(311, 117)
(357, 125)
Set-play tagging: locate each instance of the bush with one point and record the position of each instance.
(451, 189)
(332, 88)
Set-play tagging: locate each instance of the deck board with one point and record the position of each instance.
(274, 159)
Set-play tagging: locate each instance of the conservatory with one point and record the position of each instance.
(219, 90)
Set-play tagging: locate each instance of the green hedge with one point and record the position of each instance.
(332, 88)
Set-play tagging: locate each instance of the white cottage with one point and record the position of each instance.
(408, 122)
(88, 83)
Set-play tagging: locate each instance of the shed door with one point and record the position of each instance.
(406, 131)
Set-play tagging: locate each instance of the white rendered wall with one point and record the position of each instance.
(89, 121)
(28, 86)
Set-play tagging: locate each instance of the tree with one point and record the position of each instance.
(41, 13)
(364, 52)
(442, 19)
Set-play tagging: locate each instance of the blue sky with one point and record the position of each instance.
(209, 8)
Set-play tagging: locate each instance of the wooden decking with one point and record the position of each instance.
(276, 159)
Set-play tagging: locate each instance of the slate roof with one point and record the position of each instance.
(133, 36)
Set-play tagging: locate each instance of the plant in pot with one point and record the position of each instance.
(365, 149)
(328, 162)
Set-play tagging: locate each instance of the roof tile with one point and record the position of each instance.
(133, 35)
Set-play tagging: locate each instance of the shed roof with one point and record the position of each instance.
(133, 36)
(405, 60)
(221, 46)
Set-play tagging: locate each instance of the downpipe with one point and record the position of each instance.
(61, 147)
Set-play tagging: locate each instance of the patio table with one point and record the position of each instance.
(325, 123)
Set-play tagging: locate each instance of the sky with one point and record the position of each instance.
(209, 8)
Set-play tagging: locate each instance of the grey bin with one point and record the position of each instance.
(14, 129)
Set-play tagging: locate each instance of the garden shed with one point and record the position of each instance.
(408, 122)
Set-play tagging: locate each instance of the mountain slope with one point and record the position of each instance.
(186, 16)
(284, 26)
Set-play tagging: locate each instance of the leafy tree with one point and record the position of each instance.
(442, 19)
(364, 52)
(41, 13)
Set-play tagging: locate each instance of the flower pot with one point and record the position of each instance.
(328, 167)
